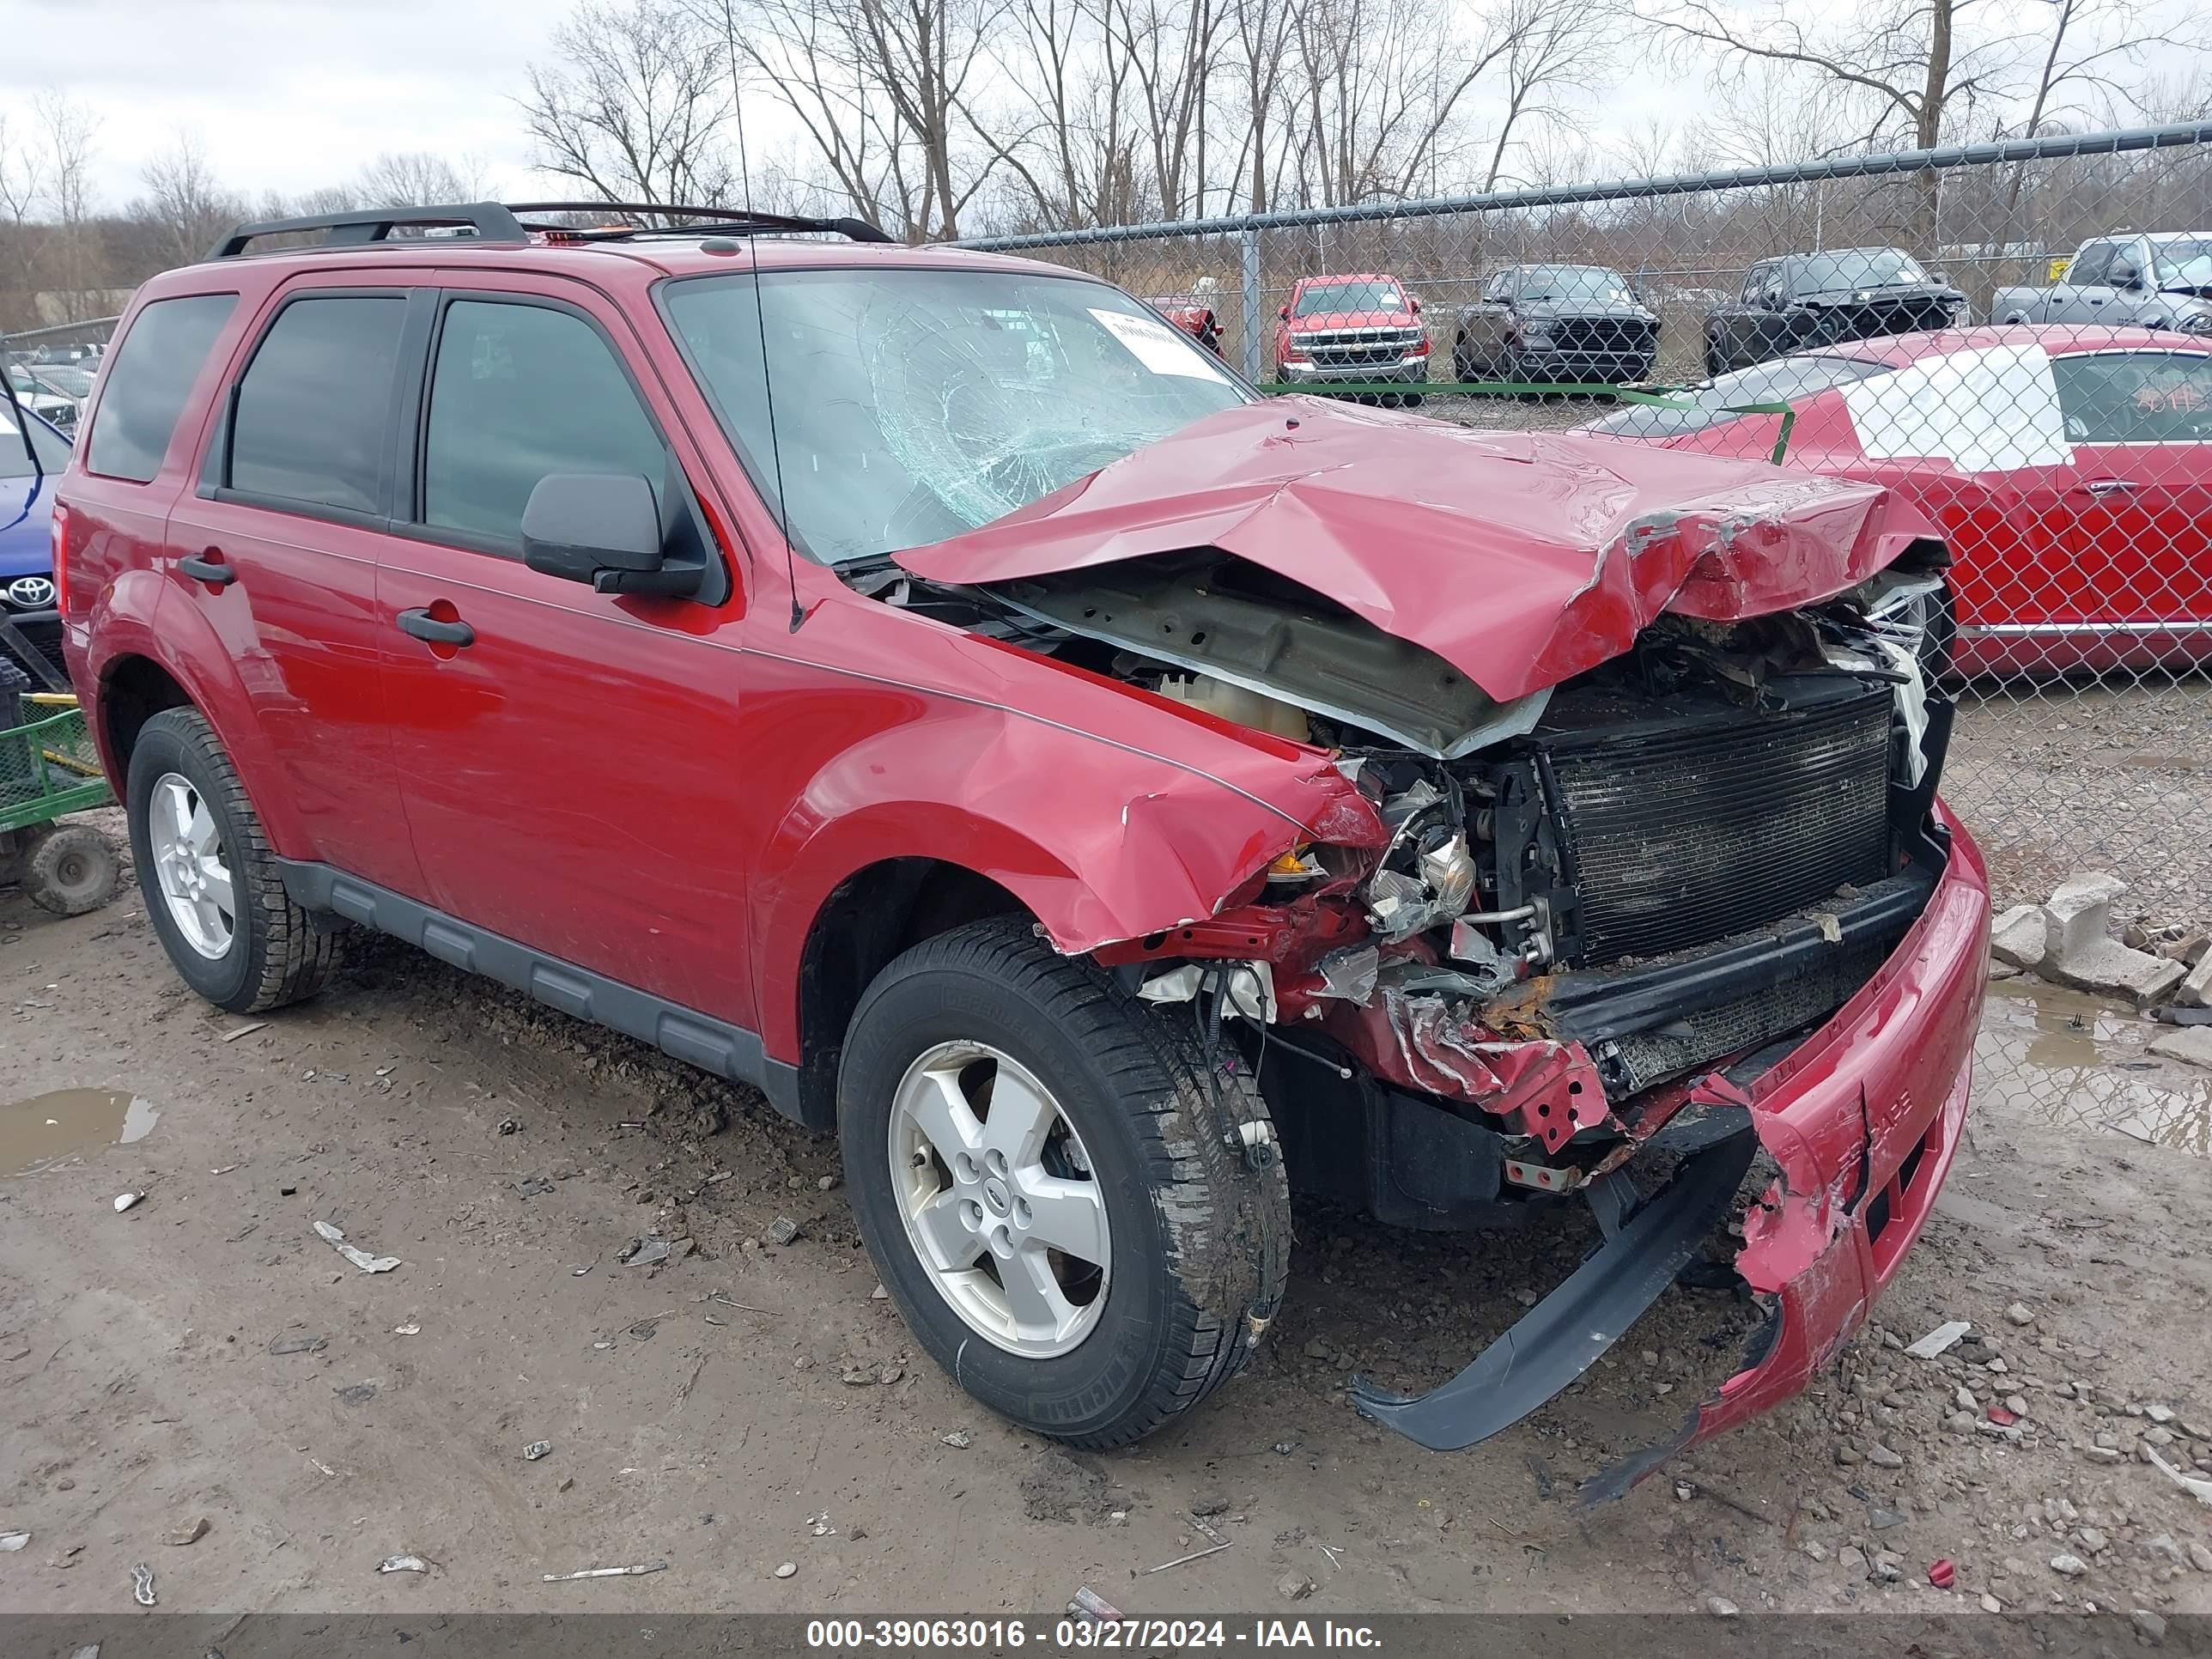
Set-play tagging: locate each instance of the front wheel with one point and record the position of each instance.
(1088, 1234)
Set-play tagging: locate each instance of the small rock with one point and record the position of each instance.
(890, 1374)
(1294, 1586)
(2019, 1314)
(1883, 1458)
(1721, 1607)
(2166, 1550)
(879, 1294)
(188, 1532)
(1847, 1456)
(2200, 1556)
(1966, 1400)
(1815, 1550)
(1990, 1604)
(1851, 1559)
(2070, 1566)
(960, 1439)
(781, 1230)
(787, 1569)
(1316, 1349)
(1213, 1502)
(2152, 1627)
(2093, 1540)
(828, 1183)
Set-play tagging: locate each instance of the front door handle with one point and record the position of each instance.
(2109, 486)
(208, 567)
(424, 626)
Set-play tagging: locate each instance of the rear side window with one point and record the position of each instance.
(315, 404)
(520, 391)
(1786, 379)
(147, 382)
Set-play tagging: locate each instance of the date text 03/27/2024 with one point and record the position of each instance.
(1072, 1635)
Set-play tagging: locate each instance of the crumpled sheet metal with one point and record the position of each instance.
(1543, 1088)
(1521, 558)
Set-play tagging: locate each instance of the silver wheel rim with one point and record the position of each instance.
(999, 1201)
(188, 862)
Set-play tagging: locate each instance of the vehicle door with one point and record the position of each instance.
(571, 760)
(2087, 295)
(274, 548)
(1730, 328)
(2139, 503)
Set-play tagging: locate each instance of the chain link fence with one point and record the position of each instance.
(1860, 317)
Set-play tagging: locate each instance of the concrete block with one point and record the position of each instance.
(2079, 915)
(2192, 1043)
(2196, 990)
(2109, 967)
(2016, 937)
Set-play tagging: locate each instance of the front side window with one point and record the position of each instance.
(2185, 263)
(315, 404)
(2136, 397)
(908, 406)
(149, 381)
(520, 391)
(1335, 298)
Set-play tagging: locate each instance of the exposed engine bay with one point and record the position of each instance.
(1602, 910)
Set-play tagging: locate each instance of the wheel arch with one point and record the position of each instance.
(866, 920)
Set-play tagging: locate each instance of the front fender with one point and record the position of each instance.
(140, 613)
(1100, 843)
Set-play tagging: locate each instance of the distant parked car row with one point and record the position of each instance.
(1590, 326)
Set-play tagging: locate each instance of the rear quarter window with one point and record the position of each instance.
(149, 381)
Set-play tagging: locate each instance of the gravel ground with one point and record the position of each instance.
(205, 1356)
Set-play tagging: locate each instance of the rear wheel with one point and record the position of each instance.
(1079, 1229)
(211, 885)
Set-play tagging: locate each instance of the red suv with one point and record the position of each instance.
(928, 687)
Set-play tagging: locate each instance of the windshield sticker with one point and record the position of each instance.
(1993, 410)
(1154, 345)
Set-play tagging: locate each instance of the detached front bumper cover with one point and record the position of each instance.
(1863, 1119)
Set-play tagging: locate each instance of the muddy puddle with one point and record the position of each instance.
(41, 1131)
(2074, 1061)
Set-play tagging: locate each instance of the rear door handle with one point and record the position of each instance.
(424, 626)
(208, 568)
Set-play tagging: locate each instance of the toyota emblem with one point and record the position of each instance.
(31, 593)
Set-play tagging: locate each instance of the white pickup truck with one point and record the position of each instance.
(2135, 280)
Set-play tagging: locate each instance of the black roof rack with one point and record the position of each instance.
(494, 221)
(736, 220)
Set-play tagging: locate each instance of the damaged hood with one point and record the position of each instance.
(1520, 558)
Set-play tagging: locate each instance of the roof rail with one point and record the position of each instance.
(489, 221)
(736, 220)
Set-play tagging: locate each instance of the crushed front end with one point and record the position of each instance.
(1689, 920)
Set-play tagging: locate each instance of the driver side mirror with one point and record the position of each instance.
(1283, 312)
(603, 529)
(1414, 304)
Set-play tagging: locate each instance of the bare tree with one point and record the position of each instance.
(417, 178)
(1550, 49)
(633, 106)
(183, 203)
(73, 255)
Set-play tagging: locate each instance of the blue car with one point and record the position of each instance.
(31, 456)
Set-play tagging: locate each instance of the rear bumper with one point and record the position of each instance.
(1864, 1120)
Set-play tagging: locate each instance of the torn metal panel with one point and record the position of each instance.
(1508, 555)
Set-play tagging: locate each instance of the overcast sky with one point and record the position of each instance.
(285, 95)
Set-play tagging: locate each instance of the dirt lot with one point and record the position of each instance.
(206, 1357)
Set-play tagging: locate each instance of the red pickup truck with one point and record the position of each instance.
(1350, 329)
(927, 687)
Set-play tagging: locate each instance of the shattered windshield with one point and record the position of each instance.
(908, 405)
(1882, 267)
(1575, 282)
(1329, 299)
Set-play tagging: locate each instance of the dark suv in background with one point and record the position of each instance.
(1583, 325)
(1810, 299)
